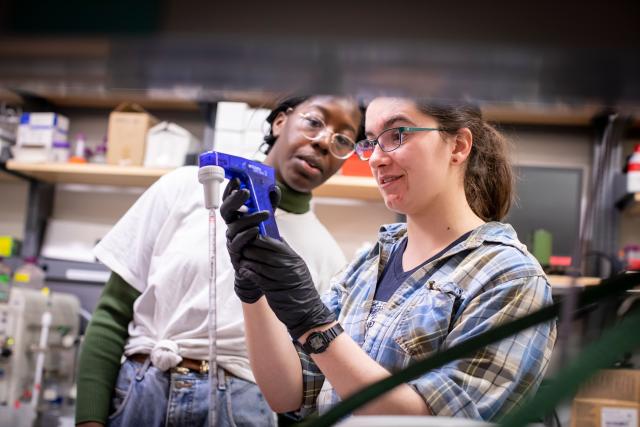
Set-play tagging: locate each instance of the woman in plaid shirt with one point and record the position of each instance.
(450, 273)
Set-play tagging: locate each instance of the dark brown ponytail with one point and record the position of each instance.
(488, 179)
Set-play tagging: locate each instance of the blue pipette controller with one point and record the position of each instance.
(258, 178)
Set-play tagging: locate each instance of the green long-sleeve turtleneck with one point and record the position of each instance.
(293, 201)
(102, 349)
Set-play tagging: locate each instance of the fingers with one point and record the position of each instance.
(271, 244)
(240, 240)
(233, 184)
(267, 257)
(231, 204)
(274, 197)
(245, 222)
(246, 272)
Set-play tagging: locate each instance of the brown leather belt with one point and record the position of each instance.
(200, 366)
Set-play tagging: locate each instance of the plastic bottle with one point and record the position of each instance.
(29, 275)
(100, 155)
(633, 171)
(60, 152)
(79, 150)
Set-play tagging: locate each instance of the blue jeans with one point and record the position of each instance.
(147, 397)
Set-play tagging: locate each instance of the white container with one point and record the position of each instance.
(60, 152)
(26, 154)
(230, 116)
(167, 146)
(633, 171)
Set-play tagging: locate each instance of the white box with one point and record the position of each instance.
(72, 240)
(256, 120)
(230, 142)
(42, 130)
(231, 116)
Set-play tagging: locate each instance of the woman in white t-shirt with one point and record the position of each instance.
(153, 310)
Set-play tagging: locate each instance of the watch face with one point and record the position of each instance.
(316, 341)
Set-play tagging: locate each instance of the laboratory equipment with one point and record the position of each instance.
(29, 275)
(5, 280)
(258, 178)
(9, 120)
(38, 334)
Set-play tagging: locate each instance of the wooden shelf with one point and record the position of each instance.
(355, 187)
(630, 204)
(349, 187)
(156, 99)
(148, 99)
(537, 115)
(134, 176)
(558, 281)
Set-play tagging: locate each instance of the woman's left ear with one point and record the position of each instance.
(462, 145)
(279, 121)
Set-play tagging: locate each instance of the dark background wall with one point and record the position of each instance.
(501, 51)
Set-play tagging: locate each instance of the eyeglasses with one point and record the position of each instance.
(314, 129)
(388, 140)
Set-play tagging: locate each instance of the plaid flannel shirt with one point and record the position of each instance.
(486, 280)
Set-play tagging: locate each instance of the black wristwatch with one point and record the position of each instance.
(317, 342)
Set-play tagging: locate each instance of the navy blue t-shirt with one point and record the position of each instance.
(393, 275)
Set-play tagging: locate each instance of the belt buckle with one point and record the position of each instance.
(204, 366)
(181, 370)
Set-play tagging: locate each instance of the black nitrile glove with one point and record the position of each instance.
(286, 282)
(242, 228)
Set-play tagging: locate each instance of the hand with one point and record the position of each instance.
(286, 282)
(242, 228)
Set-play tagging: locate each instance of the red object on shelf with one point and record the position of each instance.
(356, 167)
(560, 261)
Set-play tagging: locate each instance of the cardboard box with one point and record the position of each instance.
(127, 134)
(610, 399)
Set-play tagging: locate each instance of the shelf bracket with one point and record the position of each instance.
(39, 208)
(3, 168)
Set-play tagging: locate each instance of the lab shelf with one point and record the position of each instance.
(97, 174)
(536, 115)
(354, 187)
(558, 281)
(349, 187)
(630, 203)
(155, 99)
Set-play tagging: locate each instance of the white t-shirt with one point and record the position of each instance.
(161, 248)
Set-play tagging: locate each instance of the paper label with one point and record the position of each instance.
(619, 417)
